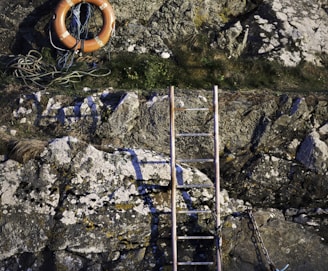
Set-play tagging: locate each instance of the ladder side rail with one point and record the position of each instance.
(173, 182)
(217, 175)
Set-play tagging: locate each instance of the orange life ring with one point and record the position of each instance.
(89, 45)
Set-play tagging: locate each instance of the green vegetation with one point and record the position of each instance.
(140, 71)
(188, 69)
(193, 65)
(225, 15)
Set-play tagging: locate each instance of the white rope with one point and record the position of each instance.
(32, 70)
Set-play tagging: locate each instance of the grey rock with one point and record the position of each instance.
(280, 30)
(273, 148)
(281, 239)
(110, 199)
(77, 207)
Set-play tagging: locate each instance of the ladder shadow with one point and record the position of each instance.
(86, 109)
(186, 197)
(202, 251)
(63, 118)
(143, 190)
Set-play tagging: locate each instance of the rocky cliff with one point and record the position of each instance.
(85, 175)
(104, 204)
(274, 29)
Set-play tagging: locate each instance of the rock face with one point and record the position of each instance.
(76, 207)
(273, 29)
(264, 136)
(107, 205)
(95, 195)
(289, 32)
(268, 141)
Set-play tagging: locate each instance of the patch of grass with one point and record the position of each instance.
(206, 69)
(193, 65)
(140, 71)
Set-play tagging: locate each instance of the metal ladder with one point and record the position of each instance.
(216, 262)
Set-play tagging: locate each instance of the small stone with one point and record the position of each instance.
(165, 55)
(131, 48)
(23, 120)
(13, 132)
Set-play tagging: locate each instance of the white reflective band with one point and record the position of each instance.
(64, 35)
(103, 6)
(99, 41)
(70, 2)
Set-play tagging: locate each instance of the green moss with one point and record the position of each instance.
(124, 206)
(140, 71)
(110, 234)
(200, 18)
(89, 224)
(193, 65)
(225, 15)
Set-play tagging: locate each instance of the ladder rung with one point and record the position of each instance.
(193, 134)
(192, 109)
(194, 211)
(195, 160)
(188, 186)
(209, 237)
(195, 263)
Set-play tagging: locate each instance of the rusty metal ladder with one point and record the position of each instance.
(216, 262)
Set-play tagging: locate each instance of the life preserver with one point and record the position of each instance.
(89, 45)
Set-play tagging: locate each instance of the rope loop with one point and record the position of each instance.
(33, 70)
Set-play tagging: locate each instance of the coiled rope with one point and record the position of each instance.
(31, 69)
